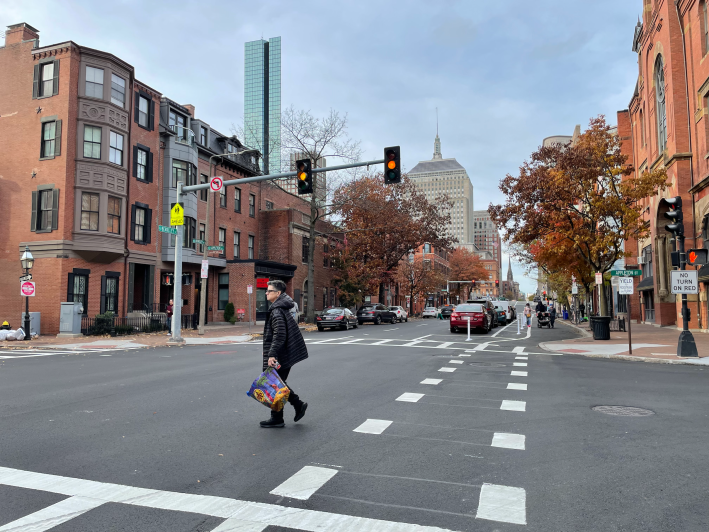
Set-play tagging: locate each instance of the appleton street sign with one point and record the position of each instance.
(166, 229)
(626, 273)
(684, 282)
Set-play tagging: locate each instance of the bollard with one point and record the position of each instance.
(468, 338)
(518, 323)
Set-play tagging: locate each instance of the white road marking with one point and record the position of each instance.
(516, 386)
(380, 342)
(373, 426)
(448, 370)
(394, 329)
(53, 515)
(444, 345)
(331, 339)
(266, 514)
(463, 355)
(517, 406)
(431, 381)
(508, 441)
(304, 483)
(410, 397)
(522, 358)
(240, 525)
(503, 328)
(105, 355)
(520, 364)
(518, 373)
(518, 349)
(503, 503)
(411, 343)
(422, 337)
(352, 341)
(455, 361)
(480, 347)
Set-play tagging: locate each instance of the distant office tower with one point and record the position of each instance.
(262, 100)
(291, 183)
(486, 237)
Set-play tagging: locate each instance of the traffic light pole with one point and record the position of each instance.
(177, 294)
(685, 346)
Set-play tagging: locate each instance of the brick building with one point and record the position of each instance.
(667, 123)
(90, 161)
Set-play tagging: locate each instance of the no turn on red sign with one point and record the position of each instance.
(216, 183)
(27, 288)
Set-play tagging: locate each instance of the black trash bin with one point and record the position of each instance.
(601, 327)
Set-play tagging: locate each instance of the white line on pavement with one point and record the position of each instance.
(432, 381)
(503, 503)
(503, 328)
(447, 370)
(518, 406)
(352, 341)
(480, 347)
(422, 337)
(304, 483)
(410, 397)
(518, 373)
(508, 441)
(373, 426)
(411, 343)
(522, 358)
(331, 339)
(518, 349)
(444, 345)
(53, 515)
(516, 386)
(455, 361)
(380, 342)
(394, 329)
(240, 525)
(519, 364)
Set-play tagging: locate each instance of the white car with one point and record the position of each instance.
(401, 314)
(430, 312)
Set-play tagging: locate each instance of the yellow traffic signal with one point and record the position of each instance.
(392, 164)
(305, 176)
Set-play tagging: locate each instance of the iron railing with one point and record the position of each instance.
(115, 326)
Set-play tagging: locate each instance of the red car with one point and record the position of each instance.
(479, 319)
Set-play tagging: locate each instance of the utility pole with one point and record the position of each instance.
(177, 295)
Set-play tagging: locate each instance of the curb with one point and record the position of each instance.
(584, 332)
(685, 361)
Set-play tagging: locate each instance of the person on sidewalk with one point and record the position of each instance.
(282, 344)
(552, 315)
(169, 318)
(528, 314)
(582, 310)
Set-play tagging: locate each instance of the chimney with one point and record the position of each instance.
(190, 108)
(17, 33)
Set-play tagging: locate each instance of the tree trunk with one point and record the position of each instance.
(603, 310)
(310, 316)
(381, 293)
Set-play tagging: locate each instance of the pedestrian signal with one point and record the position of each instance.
(392, 165)
(698, 257)
(304, 176)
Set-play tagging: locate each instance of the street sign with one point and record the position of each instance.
(27, 288)
(166, 229)
(177, 215)
(216, 183)
(625, 286)
(599, 278)
(196, 241)
(27, 277)
(205, 269)
(249, 289)
(215, 248)
(574, 288)
(626, 273)
(684, 282)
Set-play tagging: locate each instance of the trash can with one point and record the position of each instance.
(566, 314)
(601, 327)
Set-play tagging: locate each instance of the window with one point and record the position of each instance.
(427, 248)
(306, 245)
(47, 77)
(115, 153)
(185, 172)
(660, 105)
(118, 90)
(189, 233)
(143, 106)
(49, 133)
(203, 180)
(44, 213)
(222, 240)
(203, 135)
(202, 233)
(141, 162)
(705, 28)
(109, 293)
(177, 124)
(252, 205)
(237, 244)
(326, 258)
(94, 82)
(642, 128)
(222, 197)
(251, 246)
(647, 260)
(78, 290)
(114, 215)
(269, 205)
(89, 211)
(223, 291)
(139, 225)
(237, 200)
(92, 142)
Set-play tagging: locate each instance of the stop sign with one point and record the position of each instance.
(27, 288)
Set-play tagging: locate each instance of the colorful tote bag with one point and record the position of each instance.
(270, 390)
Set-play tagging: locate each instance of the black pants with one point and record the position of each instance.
(292, 398)
(552, 320)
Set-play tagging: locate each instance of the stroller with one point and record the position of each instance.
(543, 319)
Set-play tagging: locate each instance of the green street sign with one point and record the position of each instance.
(195, 241)
(215, 248)
(626, 273)
(166, 229)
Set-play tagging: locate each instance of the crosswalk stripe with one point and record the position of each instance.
(508, 441)
(519, 364)
(518, 373)
(432, 381)
(373, 426)
(53, 515)
(444, 345)
(516, 386)
(410, 397)
(447, 370)
(455, 361)
(503, 503)
(517, 406)
(380, 342)
(304, 483)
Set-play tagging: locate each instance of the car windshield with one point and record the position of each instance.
(367, 307)
(333, 311)
(393, 308)
(469, 308)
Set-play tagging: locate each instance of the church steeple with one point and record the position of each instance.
(510, 279)
(437, 142)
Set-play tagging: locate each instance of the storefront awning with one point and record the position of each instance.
(646, 284)
(704, 274)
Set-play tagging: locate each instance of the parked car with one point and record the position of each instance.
(430, 312)
(401, 314)
(480, 318)
(336, 318)
(489, 308)
(447, 310)
(502, 308)
(376, 313)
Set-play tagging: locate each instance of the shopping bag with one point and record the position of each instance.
(270, 390)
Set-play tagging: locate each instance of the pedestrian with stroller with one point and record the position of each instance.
(283, 346)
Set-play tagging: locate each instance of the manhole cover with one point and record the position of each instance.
(494, 364)
(632, 411)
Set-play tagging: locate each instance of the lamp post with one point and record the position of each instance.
(27, 261)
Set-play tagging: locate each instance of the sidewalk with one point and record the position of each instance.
(650, 344)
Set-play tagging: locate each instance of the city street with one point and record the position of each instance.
(409, 428)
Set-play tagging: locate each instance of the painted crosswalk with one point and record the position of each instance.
(6, 354)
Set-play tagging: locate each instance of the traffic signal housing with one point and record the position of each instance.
(472, 284)
(392, 165)
(304, 176)
(675, 215)
(698, 257)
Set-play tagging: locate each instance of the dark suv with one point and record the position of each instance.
(447, 310)
(376, 313)
(489, 308)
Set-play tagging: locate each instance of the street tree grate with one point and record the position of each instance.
(631, 411)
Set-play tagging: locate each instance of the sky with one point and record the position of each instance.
(504, 75)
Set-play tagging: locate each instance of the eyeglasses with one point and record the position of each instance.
(267, 291)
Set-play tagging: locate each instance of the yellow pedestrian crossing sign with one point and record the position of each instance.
(177, 215)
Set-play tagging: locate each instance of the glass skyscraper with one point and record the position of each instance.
(262, 100)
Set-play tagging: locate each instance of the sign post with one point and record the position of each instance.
(177, 214)
(249, 290)
(626, 288)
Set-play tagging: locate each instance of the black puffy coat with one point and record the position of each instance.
(281, 336)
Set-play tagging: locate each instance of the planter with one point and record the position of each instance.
(601, 327)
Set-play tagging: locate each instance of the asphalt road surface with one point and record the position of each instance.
(410, 428)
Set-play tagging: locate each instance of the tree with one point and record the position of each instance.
(419, 278)
(465, 266)
(580, 197)
(383, 223)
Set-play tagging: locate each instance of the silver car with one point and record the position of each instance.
(401, 314)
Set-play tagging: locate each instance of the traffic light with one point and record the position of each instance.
(392, 165)
(698, 257)
(304, 176)
(675, 215)
(497, 283)
(473, 284)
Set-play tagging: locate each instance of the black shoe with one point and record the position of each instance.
(274, 422)
(300, 411)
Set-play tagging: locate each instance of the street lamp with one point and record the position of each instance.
(27, 261)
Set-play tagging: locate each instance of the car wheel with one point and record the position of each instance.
(355, 325)
(345, 326)
(378, 320)
(320, 328)
(406, 319)
(360, 323)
